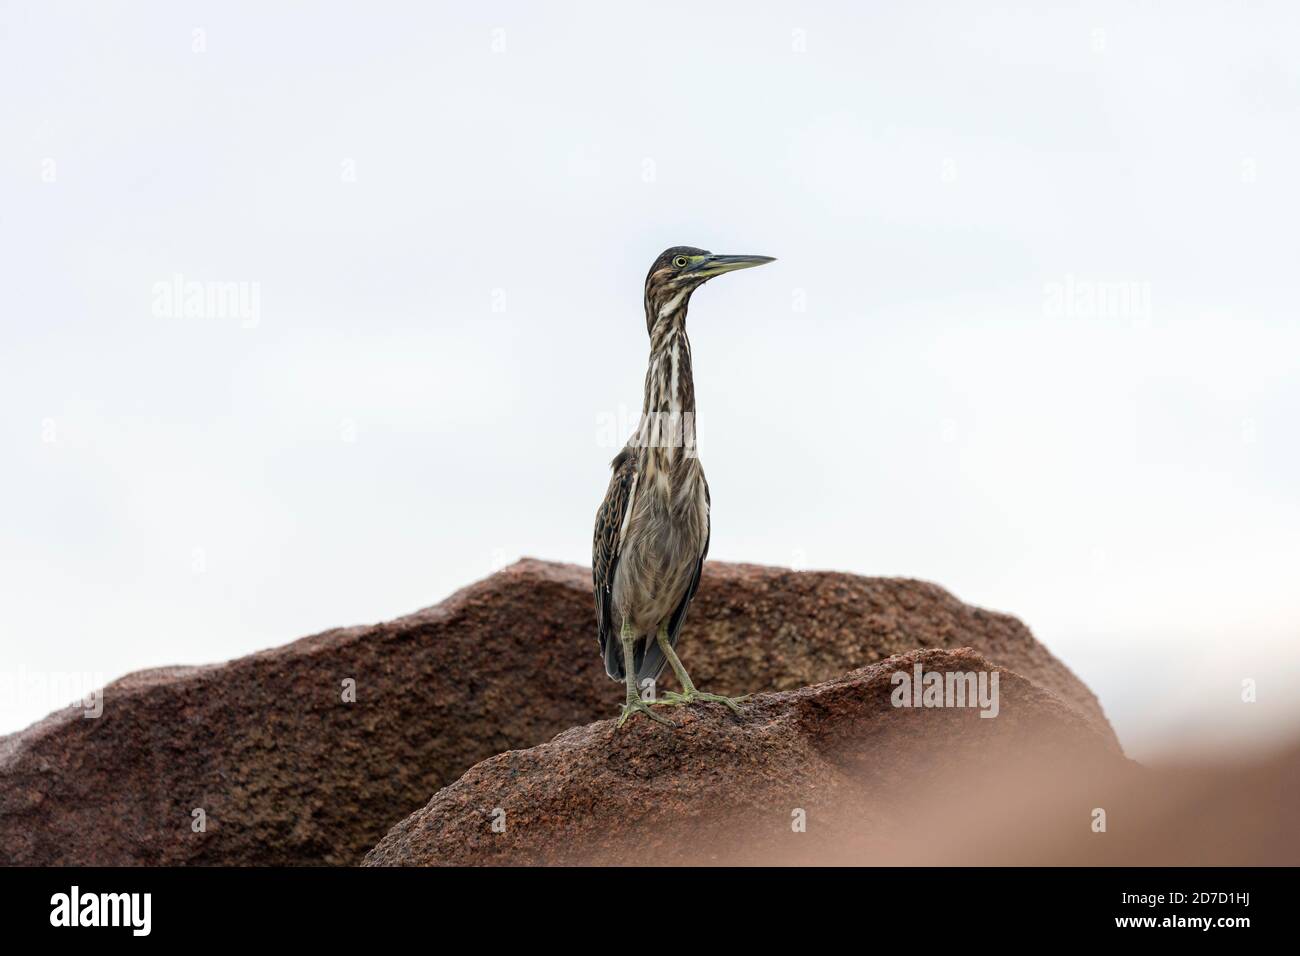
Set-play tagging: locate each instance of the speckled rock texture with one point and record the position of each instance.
(799, 775)
(286, 772)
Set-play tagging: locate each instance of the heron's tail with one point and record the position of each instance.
(614, 657)
(647, 657)
(650, 663)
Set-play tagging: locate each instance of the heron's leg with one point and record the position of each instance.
(634, 702)
(689, 692)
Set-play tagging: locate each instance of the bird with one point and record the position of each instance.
(652, 529)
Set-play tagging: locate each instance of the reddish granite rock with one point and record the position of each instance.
(287, 773)
(841, 757)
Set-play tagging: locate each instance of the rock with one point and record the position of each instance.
(839, 757)
(1236, 811)
(286, 772)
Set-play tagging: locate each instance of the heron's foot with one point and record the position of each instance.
(674, 699)
(638, 705)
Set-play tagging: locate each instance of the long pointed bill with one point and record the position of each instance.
(717, 265)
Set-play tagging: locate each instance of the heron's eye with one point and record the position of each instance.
(680, 262)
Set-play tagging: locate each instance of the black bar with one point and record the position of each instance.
(729, 907)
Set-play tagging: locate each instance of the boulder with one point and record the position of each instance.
(799, 777)
(282, 769)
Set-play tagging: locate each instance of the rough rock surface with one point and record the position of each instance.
(839, 757)
(287, 773)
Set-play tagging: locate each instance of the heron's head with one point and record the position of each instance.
(681, 270)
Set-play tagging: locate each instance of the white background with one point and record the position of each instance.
(896, 395)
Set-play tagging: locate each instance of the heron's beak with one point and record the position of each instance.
(716, 265)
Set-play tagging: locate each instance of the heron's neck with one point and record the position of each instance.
(668, 384)
(668, 410)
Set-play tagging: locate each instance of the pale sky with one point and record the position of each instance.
(443, 215)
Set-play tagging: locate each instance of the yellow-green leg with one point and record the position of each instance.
(689, 694)
(634, 702)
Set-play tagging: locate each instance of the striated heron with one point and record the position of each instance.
(652, 529)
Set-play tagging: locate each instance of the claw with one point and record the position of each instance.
(638, 705)
(673, 699)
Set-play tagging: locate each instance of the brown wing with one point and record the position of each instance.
(605, 547)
